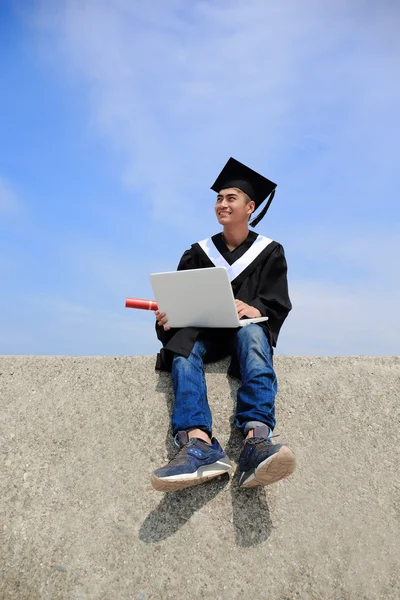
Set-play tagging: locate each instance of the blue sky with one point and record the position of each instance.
(117, 115)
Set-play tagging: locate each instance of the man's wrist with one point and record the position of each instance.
(260, 309)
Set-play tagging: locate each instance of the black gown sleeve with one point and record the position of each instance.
(272, 299)
(187, 261)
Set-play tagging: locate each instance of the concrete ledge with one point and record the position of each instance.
(79, 520)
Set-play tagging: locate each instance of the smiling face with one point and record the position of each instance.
(233, 207)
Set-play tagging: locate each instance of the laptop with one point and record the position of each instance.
(198, 298)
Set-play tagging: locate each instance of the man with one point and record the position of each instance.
(258, 273)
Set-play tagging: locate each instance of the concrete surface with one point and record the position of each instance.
(79, 519)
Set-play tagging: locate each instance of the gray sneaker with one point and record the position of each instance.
(195, 462)
(261, 462)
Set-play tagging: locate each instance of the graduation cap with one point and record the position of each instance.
(258, 188)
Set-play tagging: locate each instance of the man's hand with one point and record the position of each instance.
(245, 310)
(162, 320)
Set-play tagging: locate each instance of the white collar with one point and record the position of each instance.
(241, 263)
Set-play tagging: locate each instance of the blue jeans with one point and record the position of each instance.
(255, 396)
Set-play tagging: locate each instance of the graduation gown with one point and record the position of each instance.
(258, 273)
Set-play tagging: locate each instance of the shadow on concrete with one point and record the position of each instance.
(176, 508)
(164, 386)
(250, 512)
(251, 517)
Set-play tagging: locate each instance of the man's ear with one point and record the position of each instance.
(252, 205)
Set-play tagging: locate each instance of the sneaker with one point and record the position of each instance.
(195, 462)
(261, 462)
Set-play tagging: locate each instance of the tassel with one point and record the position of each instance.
(261, 215)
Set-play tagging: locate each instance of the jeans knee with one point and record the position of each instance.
(253, 345)
(179, 362)
(195, 358)
(252, 335)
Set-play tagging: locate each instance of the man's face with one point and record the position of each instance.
(231, 207)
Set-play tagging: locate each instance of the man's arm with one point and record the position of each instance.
(272, 298)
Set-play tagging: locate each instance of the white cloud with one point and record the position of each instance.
(329, 319)
(177, 87)
(106, 274)
(348, 301)
(373, 255)
(50, 323)
(10, 204)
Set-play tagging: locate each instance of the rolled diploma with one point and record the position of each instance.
(140, 303)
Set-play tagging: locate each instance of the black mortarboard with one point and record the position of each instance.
(257, 187)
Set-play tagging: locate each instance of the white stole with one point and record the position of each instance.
(239, 265)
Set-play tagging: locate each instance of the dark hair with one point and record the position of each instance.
(247, 199)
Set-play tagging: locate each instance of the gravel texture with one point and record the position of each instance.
(80, 436)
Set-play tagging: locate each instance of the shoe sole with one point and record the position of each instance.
(171, 484)
(273, 469)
